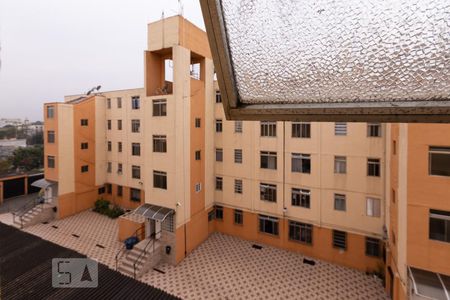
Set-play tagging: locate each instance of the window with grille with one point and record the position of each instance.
(339, 202)
(50, 111)
(301, 197)
(238, 156)
(119, 102)
(439, 225)
(300, 232)
(160, 180)
(340, 239)
(159, 143)
(136, 149)
(268, 224)
(119, 146)
(135, 102)
(340, 128)
(301, 163)
(211, 215)
(84, 146)
(135, 172)
(119, 191)
(109, 124)
(238, 217)
(268, 192)
(108, 103)
(119, 124)
(219, 212)
(218, 97)
(108, 188)
(268, 160)
(109, 167)
(198, 187)
(373, 247)
(373, 207)
(84, 169)
(374, 130)
(439, 161)
(238, 126)
(50, 137)
(219, 154)
(160, 108)
(198, 155)
(84, 122)
(101, 190)
(135, 195)
(119, 168)
(168, 224)
(301, 130)
(219, 183)
(50, 162)
(198, 122)
(109, 146)
(340, 165)
(218, 125)
(238, 186)
(373, 167)
(135, 125)
(268, 128)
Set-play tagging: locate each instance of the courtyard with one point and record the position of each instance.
(223, 267)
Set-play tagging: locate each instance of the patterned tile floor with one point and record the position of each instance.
(223, 267)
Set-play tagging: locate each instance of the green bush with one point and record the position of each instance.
(115, 212)
(103, 207)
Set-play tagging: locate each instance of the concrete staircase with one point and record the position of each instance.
(37, 214)
(146, 254)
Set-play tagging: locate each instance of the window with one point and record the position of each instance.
(50, 111)
(84, 146)
(198, 187)
(211, 215)
(372, 247)
(268, 160)
(268, 128)
(374, 130)
(135, 102)
(135, 172)
(50, 162)
(50, 137)
(84, 169)
(119, 124)
(238, 186)
(160, 180)
(339, 202)
(136, 149)
(340, 165)
(373, 207)
(238, 156)
(159, 143)
(439, 225)
(108, 103)
(108, 188)
(238, 126)
(340, 128)
(219, 183)
(101, 190)
(340, 239)
(84, 122)
(301, 197)
(198, 122)
(135, 125)
(268, 224)
(109, 146)
(373, 167)
(301, 163)
(119, 146)
(219, 154)
(218, 97)
(119, 102)
(135, 195)
(238, 217)
(119, 191)
(159, 108)
(219, 125)
(219, 212)
(268, 192)
(439, 161)
(119, 168)
(301, 130)
(109, 167)
(109, 125)
(198, 155)
(300, 232)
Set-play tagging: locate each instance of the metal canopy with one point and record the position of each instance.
(356, 60)
(430, 285)
(42, 183)
(154, 212)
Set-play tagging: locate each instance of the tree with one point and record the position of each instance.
(5, 166)
(28, 158)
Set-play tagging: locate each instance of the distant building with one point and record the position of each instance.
(7, 147)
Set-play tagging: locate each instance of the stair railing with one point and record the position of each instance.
(144, 251)
(30, 204)
(123, 248)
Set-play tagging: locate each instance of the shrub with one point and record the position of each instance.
(103, 207)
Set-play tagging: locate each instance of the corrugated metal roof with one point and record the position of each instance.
(25, 272)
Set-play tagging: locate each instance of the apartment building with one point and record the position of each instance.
(418, 193)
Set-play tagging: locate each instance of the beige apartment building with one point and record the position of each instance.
(167, 153)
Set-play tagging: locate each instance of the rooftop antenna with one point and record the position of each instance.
(95, 88)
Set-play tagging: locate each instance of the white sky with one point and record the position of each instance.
(52, 48)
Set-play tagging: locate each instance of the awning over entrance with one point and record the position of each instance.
(429, 285)
(42, 183)
(154, 212)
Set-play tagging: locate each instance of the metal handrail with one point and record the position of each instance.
(144, 251)
(123, 248)
(26, 208)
